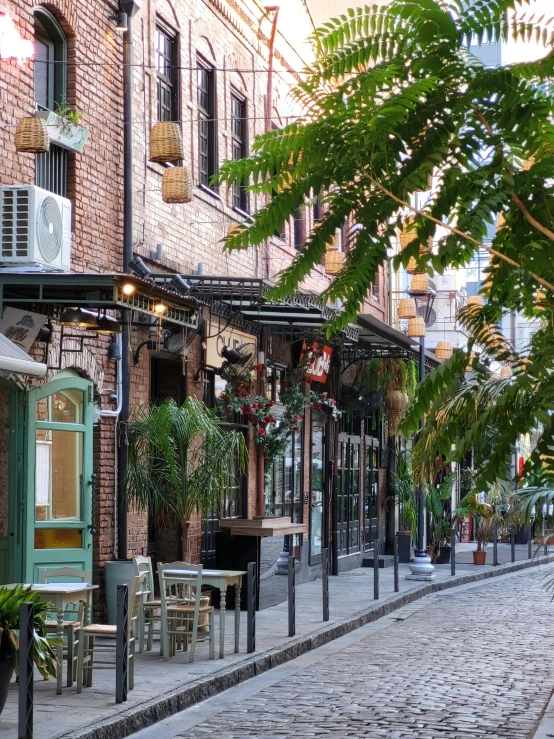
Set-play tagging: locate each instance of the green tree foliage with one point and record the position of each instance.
(394, 96)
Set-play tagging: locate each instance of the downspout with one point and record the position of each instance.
(123, 452)
(271, 48)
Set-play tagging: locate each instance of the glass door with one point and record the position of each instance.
(371, 492)
(59, 477)
(318, 479)
(348, 494)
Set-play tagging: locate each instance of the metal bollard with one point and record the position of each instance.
(513, 543)
(292, 596)
(452, 552)
(251, 608)
(376, 569)
(530, 547)
(122, 645)
(325, 583)
(495, 544)
(544, 544)
(26, 667)
(395, 552)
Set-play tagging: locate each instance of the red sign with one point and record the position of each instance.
(320, 364)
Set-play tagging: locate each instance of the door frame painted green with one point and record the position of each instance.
(81, 558)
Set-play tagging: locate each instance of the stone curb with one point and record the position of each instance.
(129, 721)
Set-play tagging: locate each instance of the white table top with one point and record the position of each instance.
(60, 587)
(207, 573)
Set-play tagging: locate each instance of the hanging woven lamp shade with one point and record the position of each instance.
(505, 372)
(420, 284)
(416, 327)
(413, 268)
(334, 262)
(500, 223)
(177, 185)
(32, 136)
(394, 422)
(476, 300)
(406, 236)
(335, 243)
(407, 308)
(166, 144)
(443, 350)
(541, 301)
(426, 248)
(396, 400)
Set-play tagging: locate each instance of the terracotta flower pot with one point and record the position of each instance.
(479, 558)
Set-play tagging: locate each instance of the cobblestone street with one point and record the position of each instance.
(472, 662)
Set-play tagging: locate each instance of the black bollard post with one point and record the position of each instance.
(26, 667)
(453, 552)
(251, 580)
(544, 544)
(396, 583)
(292, 596)
(376, 569)
(530, 547)
(325, 583)
(495, 544)
(513, 543)
(122, 644)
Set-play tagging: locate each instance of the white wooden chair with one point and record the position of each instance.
(88, 648)
(72, 617)
(180, 619)
(151, 606)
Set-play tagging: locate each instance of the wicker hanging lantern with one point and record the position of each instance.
(476, 300)
(177, 185)
(335, 243)
(334, 262)
(426, 248)
(541, 301)
(394, 418)
(413, 268)
(443, 350)
(407, 308)
(416, 327)
(32, 136)
(166, 144)
(396, 400)
(505, 372)
(420, 284)
(406, 236)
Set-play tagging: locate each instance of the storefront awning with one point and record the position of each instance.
(379, 339)
(50, 293)
(15, 361)
(242, 300)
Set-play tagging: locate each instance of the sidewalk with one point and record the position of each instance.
(165, 687)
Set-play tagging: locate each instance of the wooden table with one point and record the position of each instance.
(63, 594)
(221, 580)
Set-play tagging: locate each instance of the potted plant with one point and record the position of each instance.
(43, 653)
(64, 127)
(482, 515)
(436, 503)
(401, 484)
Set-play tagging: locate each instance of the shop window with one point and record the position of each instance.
(167, 73)
(283, 482)
(239, 146)
(206, 123)
(274, 383)
(50, 86)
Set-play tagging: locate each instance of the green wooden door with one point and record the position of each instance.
(58, 517)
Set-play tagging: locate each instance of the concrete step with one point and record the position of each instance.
(385, 560)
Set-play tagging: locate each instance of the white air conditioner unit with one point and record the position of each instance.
(35, 228)
(444, 282)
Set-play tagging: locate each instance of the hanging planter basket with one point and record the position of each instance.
(412, 268)
(166, 144)
(177, 185)
(444, 350)
(407, 308)
(31, 136)
(396, 400)
(416, 327)
(334, 262)
(406, 237)
(394, 422)
(420, 284)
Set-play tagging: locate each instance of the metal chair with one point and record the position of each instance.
(73, 618)
(151, 607)
(182, 581)
(87, 660)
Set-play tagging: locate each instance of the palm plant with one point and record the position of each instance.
(437, 499)
(401, 484)
(394, 96)
(180, 461)
(44, 656)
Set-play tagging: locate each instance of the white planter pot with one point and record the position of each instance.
(64, 134)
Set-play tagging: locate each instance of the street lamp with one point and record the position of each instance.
(423, 297)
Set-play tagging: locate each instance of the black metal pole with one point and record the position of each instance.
(513, 543)
(26, 666)
(453, 552)
(292, 596)
(420, 548)
(495, 544)
(123, 455)
(395, 552)
(122, 645)
(376, 569)
(251, 607)
(530, 547)
(325, 583)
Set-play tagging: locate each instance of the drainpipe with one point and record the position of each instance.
(271, 46)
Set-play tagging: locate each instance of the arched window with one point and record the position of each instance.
(50, 82)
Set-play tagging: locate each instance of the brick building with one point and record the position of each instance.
(206, 64)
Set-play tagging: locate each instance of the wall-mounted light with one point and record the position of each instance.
(160, 308)
(106, 325)
(78, 317)
(179, 285)
(121, 21)
(128, 288)
(137, 267)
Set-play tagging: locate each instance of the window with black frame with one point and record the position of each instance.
(239, 131)
(50, 88)
(283, 482)
(167, 73)
(205, 78)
